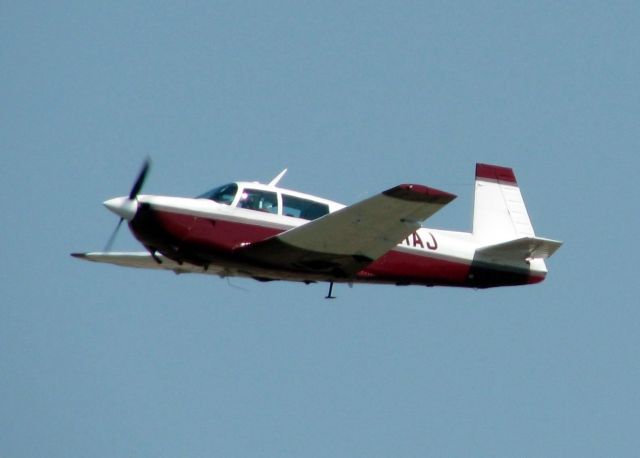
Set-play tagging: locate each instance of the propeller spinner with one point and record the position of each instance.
(126, 207)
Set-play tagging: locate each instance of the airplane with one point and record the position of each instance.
(265, 232)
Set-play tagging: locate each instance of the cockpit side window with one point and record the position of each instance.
(264, 201)
(223, 194)
(303, 208)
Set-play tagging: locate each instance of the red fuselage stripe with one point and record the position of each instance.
(193, 233)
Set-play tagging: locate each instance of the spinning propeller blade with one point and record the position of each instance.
(112, 239)
(137, 186)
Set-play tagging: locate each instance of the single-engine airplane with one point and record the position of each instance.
(266, 232)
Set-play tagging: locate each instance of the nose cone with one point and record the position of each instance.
(123, 207)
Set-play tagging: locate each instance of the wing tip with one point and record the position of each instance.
(420, 193)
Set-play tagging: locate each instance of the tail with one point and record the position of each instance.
(501, 223)
(499, 212)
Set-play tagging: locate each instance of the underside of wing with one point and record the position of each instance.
(227, 268)
(140, 260)
(342, 243)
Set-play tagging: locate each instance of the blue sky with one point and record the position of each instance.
(352, 97)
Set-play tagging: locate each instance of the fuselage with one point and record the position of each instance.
(209, 230)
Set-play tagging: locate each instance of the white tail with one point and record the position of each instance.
(499, 211)
(501, 224)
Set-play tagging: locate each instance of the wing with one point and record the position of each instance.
(227, 268)
(140, 260)
(342, 243)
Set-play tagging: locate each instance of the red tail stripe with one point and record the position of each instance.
(495, 172)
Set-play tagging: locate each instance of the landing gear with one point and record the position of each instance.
(156, 258)
(329, 296)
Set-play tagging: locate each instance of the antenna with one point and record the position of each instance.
(275, 181)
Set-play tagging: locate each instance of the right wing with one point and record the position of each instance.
(343, 242)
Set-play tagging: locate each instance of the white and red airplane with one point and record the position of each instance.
(266, 232)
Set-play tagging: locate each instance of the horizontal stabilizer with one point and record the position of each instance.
(521, 249)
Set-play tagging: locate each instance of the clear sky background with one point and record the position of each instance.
(352, 97)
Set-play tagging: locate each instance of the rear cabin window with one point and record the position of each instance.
(264, 201)
(223, 194)
(303, 208)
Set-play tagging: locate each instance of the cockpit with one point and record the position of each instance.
(268, 201)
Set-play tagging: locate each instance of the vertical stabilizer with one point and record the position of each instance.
(499, 212)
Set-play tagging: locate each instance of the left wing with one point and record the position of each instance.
(342, 243)
(227, 268)
(140, 260)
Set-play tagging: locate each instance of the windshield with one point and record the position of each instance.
(223, 194)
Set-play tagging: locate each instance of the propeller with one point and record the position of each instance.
(112, 239)
(137, 186)
(127, 207)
